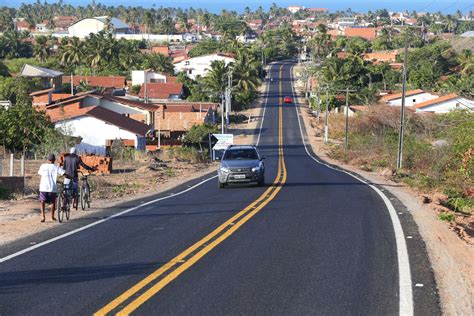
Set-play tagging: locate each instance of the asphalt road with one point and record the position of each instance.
(316, 241)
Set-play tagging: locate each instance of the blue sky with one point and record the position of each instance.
(446, 6)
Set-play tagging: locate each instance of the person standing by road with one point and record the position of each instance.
(49, 173)
(71, 166)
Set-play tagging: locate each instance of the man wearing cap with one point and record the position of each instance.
(71, 166)
(49, 173)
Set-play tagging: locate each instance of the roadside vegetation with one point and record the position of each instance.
(437, 153)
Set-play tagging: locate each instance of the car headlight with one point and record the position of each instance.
(256, 169)
(225, 170)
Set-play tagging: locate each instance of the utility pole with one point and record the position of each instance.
(72, 84)
(402, 109)
(346, 134)
(222, 113)
(228, 97)
(326, 127)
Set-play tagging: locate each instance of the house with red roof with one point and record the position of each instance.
(140, 77)
(445, 104)
(368, 33)
(161, 91)
(412, 97)
(98, 126)
(115, 82)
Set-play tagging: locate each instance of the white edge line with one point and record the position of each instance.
(264, 110)
(404, 273)
(75, 231)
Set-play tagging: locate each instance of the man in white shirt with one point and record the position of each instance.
(49, 173)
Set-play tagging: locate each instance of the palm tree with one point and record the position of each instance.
(246, 71)
(215, 80)
(158, 62)
(41, 49)
(71, 53)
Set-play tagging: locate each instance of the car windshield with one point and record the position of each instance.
(241, 154)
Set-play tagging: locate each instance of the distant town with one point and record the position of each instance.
(149, 64)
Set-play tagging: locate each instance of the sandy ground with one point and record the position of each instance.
(21, 217)
(452, 258)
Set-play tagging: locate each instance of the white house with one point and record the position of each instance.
(97, 125)
(412, 97)
(84, 27)
(198, 66)
(140, 77)
(295, 8)
(446, 103)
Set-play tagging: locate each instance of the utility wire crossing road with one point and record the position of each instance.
(315, 241)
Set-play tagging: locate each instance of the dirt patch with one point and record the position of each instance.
(451, 257)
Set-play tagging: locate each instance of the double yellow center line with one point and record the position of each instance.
(138, 294)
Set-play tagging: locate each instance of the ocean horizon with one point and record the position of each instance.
(216, 6)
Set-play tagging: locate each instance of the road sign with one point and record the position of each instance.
(223, 141)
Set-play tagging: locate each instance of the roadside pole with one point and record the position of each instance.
(326, 127)
(346, 133)
(72, 84)
(402, 109)
(222, 113)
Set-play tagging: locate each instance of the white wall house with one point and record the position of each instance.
(445, 104)
(412, 98)
(84, 27)
(140, 77)
(97, 126)
(156, 38)
(129, 108)
(199, 66)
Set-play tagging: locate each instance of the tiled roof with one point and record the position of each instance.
(437, 100)
(41, 92)
(133, 103)
(164, 50)
(118, 120)
(35, 71)
(161, 90)
(316, 9)
(102, 114)
(390, 97)
(98, 81)
(369, 33)
(189, 106)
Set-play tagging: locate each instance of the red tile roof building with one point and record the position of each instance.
(368, 33)
(117, 82)
(161, 90)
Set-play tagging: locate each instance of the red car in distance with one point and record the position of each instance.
(287, 100)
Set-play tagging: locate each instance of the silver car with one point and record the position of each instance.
(241, 164)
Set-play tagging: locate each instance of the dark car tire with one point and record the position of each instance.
(261, 182)
(221, 185)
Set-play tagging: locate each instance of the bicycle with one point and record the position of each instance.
(85, 192)
(63, 202)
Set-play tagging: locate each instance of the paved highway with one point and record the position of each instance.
(315, 240)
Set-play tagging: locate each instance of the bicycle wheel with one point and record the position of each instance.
(88, 196)
(67, 209)
(82, 198)
(59, 207)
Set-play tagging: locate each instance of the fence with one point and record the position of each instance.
(11, 166)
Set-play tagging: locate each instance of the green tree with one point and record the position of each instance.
(41, 49)
(215, 80)
(22, 128)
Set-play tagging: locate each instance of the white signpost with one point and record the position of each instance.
(223, 141)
